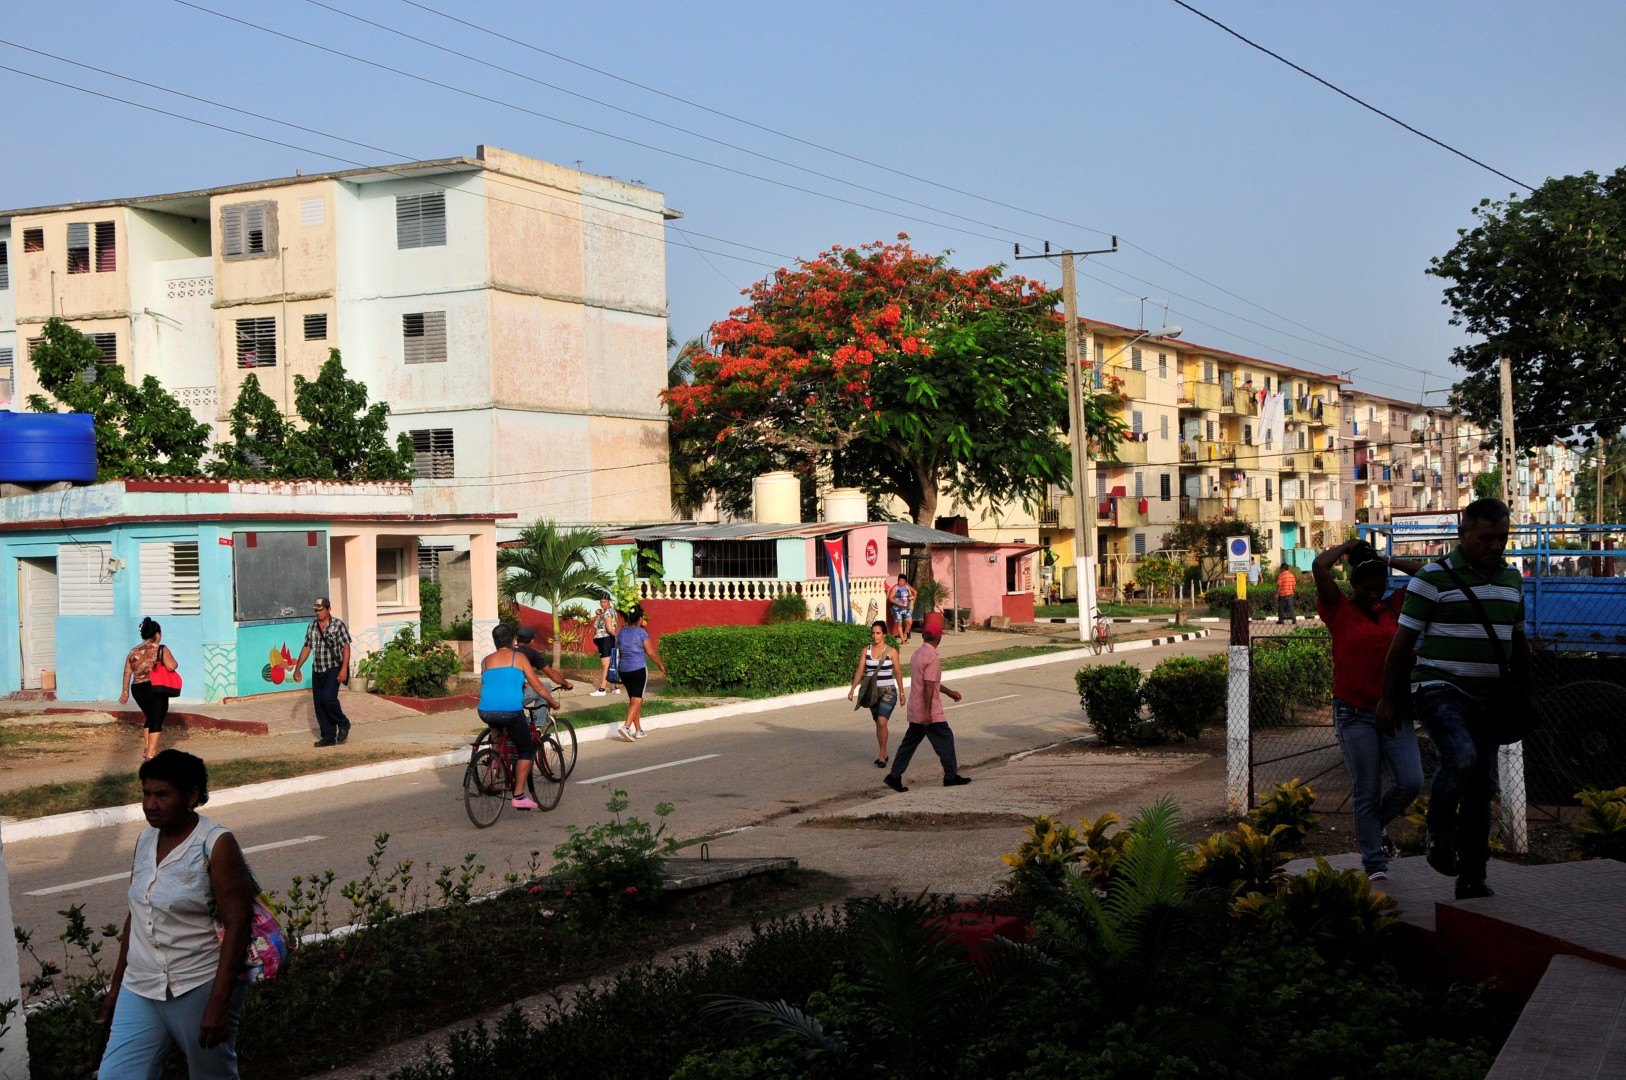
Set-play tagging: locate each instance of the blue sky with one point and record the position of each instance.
(1276, 218)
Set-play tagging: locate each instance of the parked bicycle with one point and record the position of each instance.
(1102, 638)
(489, 779)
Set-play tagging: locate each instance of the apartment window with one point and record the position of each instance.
(1208, 429)
(7, 385)
(1208, 371)
(1165, 486)
(1140, 486)
(170, 580)
(1163, 426)
(423, 337)
(1100, 355)
(1270, 537)
(736, 559)
(1268, 485)
(390, 589)
(312, 211)
(107, 259)
(430, 560)
(1163, 365)
(33, 240)
(1247, 434)
(420, 220)
(33, 344)
(433, 457)
(108, 344)
(316, 327)
(1301, 440)
(84, 583)
(256, 343)
(1134, 358)
(5, 267)
(1100, 486)
(1267, 384)
(79, 247)
(248, 230)
(1135, 419)
(1140, 543)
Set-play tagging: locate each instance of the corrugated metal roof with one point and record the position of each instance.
(907, 532)
(898, 532)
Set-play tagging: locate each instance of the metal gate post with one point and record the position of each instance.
(1515, 809)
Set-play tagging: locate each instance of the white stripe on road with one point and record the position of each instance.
(120, 877)
(652, 768)
(968, 704)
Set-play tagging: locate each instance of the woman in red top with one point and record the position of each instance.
(1362, 625)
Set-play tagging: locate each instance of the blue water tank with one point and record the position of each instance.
(42, 448)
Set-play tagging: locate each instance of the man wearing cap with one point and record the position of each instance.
(526, 635)
(926, 719)
(329, 640)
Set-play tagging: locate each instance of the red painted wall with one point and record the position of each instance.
(1019, 606)
(670, 616)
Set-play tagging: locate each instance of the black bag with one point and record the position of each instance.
(869, 694)
(1506, 709)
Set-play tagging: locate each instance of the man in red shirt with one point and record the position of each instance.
(1287, 583)
(925, 710)
(1362, 625)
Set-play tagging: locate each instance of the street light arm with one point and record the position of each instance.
(1160, 332)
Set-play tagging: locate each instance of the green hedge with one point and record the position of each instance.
(747, 659)
(1110, 694)
(1262, 598)
(1290, 673)
(1186, 694)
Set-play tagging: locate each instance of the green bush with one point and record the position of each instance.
(1185, 694)
(408, 667)
(1262, 599)
(1111, 696)
(1290, 673)
(429, 610)
(1291, 807)
(617, 862)
(787, 607)
(1601, 834)
(751, 659)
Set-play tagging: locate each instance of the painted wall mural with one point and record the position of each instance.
(265, 657)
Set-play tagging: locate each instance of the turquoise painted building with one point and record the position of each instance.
(228, 568)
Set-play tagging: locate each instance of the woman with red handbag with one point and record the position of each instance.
(144, 661)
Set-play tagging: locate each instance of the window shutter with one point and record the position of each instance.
(109, 344)
(1163, 487)
(312, 211)
(433, 457)
(33, 239)
(7, 387)
(170, 579)
(79, 247)
(254, 229)
(1140, 486)
(256, 343)
(106, 251)
(5, 266)
(231, 231)
(420, 220)
(1134, 358)
(423, 337)
(1140, 543)
(316, 327)
(85, 586)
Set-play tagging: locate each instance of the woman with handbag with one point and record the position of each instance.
(178, 981)
(877, 673)
(144, 661)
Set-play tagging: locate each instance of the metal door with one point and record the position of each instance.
(37, 610)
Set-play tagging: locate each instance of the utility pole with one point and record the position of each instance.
(1083, 464)
(1507, 437)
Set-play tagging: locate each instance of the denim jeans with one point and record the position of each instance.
(1459, 801)
(887, 702)
(1367, 751)
(144, 1031)
(942, 742)
(325, 692)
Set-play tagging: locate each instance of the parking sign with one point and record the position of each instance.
(1239, 554)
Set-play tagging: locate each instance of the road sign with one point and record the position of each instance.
(1238, 554)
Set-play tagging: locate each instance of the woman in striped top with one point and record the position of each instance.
(881, 660)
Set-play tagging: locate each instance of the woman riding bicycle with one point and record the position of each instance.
(503, 678)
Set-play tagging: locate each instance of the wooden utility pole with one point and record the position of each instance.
(1507, 438)
(1083, 464)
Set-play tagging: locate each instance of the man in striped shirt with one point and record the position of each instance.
(1454, 675)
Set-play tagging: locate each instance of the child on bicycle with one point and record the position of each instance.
(503, 679)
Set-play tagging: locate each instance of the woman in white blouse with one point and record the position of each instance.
(177, 983)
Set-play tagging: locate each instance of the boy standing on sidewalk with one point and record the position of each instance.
(925, 710)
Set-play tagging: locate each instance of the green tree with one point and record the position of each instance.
(893, 371)
(1488, 485)
(1206, 540)
(551, 563)
(1614, 485)
(1542, 279)
(342, 437)
(141, 430)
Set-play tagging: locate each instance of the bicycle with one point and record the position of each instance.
(488, 782)
(560, 728)
(1102, 638)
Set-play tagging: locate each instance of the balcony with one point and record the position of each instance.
(1318, 463)
(1239, 402)
(1316, 415)
(1200, 397)
(1246, 456)
(1130, 453)
(1119, 512)
(1134, 384)
(1050, 519)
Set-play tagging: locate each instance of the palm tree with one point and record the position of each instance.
(552, 564)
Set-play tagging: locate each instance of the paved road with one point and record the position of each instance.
(720, 775)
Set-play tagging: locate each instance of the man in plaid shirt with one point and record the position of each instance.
(329, 640)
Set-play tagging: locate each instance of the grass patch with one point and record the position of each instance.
(616, 712)
(1111, 611)
(1016, 652)
(123, 789)
(25, 738)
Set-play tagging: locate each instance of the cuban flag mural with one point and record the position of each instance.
(840, 602)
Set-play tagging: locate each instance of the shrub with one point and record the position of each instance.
(408, 667)
(752, 659)
(429, 610)
(1289, 805)
(1602, 833)
(787, 607)
(1110, 694)
(1261, 598)
(1244, 860)
(616, 862)
(1335, 912)
(1185, 694)
(1290, 672)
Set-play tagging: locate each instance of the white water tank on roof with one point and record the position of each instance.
(845, 504)
(776, 498)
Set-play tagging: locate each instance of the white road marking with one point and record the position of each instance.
(968, 704)
(120, 877)
(652, 768)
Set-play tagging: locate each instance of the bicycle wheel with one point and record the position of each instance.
(565, 732)
(547, 779)
(1111, 645)
(1095, 641)
(485, 787)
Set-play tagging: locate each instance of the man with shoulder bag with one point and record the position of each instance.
(1469, 683)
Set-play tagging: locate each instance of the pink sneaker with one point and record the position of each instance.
(525, 802)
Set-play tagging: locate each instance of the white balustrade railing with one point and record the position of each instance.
(867, 595)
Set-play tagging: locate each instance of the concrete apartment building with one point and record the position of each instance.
(1405, 458)
(512, 313)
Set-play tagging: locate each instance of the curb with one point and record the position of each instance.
(185, 719)
(85, 820)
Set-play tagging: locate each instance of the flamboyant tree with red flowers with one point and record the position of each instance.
(896, 372)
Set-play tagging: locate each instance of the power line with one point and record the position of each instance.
(1345, 93)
